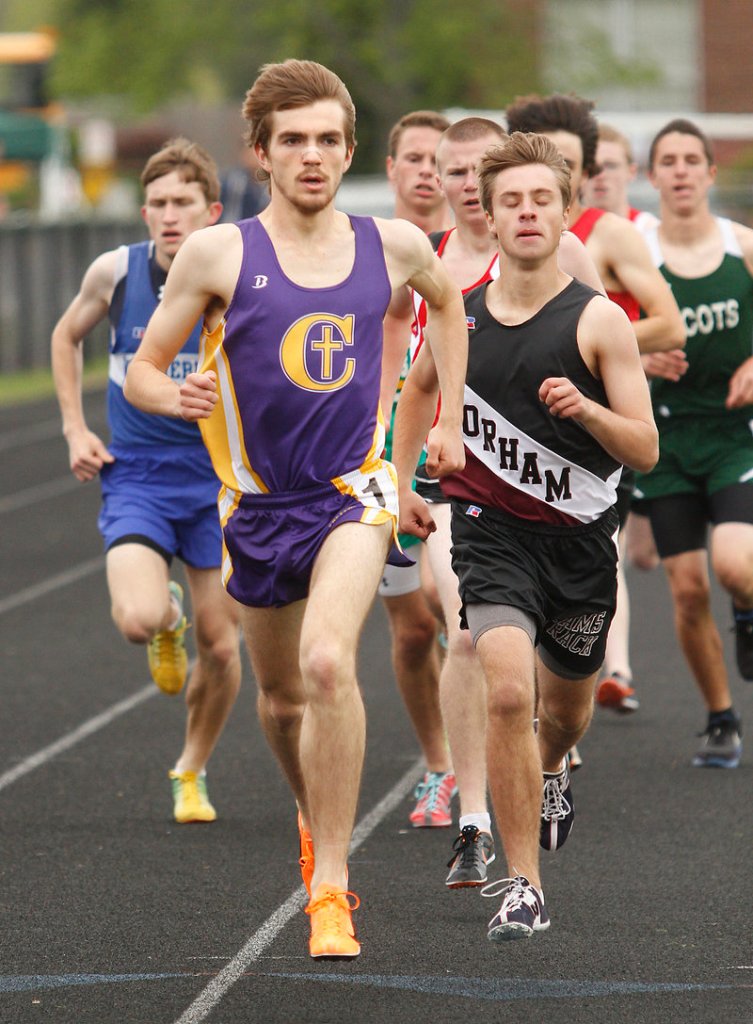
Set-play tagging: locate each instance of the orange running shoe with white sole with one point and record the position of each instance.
(615, 692)
(306, 859)
(332, 934)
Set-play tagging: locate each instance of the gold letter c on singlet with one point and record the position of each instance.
(311, 352)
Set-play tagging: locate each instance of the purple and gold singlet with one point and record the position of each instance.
(298, 374)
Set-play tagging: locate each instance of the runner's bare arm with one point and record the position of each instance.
(670, 365)
(201, 280)
(626, 429)
(397, 336)
(740, 391)
(574, 259)
(411, 260)
(87, 452)
(413, 419)
(662, 328)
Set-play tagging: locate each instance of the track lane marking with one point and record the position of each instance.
(38, 493)
(18, 437)
(62, 579)
(207, 1000)
(13, 438)
(92, 725)
(509, 989)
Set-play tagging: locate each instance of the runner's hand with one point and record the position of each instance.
(445, 451)
(741, 386)
(87, 454)
(667, 365)
(563, 399)
(198, 396)
(415, 516)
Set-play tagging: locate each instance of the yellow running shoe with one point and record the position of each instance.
(332, 934)
(168, 661)
(190, 797)
(306, 860)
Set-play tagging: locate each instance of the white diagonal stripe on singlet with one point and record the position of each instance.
(591, 495)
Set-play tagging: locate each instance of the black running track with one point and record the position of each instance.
(111, 914)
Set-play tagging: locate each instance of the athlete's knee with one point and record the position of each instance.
(735, 575)
(218, 651)
(281, 708)
(135, 623)
(567, 717)
(691, 595)
(327, 666)
(413, 639)
(509, 698)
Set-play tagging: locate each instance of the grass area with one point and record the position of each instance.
(31, 385)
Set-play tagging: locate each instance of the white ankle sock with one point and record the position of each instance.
(483, 822)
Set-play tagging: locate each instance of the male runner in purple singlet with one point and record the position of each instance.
(288, 401)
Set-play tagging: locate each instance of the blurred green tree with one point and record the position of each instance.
(394, 55)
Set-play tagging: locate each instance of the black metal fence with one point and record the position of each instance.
(41, 266)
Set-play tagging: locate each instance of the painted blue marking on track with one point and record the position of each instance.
(32, 982)
(507, 989)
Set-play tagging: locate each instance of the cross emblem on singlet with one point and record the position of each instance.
(327, 344)
(313, 351)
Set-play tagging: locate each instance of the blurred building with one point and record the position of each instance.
(644, 62)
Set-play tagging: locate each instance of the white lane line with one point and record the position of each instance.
(78, 572)
(46, 430)
(40, 492)
(28, 435)
(206, 1001)
(93, 725)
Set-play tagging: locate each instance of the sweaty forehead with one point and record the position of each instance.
(526, 178)
(418, 139)
(450, 152)
(321, 116)
(172, 185)
(679, 142)
(612, 152)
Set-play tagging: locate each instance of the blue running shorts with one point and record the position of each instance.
(166, 496)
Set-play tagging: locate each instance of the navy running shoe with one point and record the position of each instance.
(557, 811)
(522, 912)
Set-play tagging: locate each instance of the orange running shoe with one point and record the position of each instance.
(332, 934)
(615, 692)
(306, 860)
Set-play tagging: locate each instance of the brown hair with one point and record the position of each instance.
(609, 134)
(190, 160)
(519, 150)
(416, 119)
(683, 127)
(558, 113)
(469, 129)
(292, 84)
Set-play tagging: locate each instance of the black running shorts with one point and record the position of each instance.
(564, 577)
